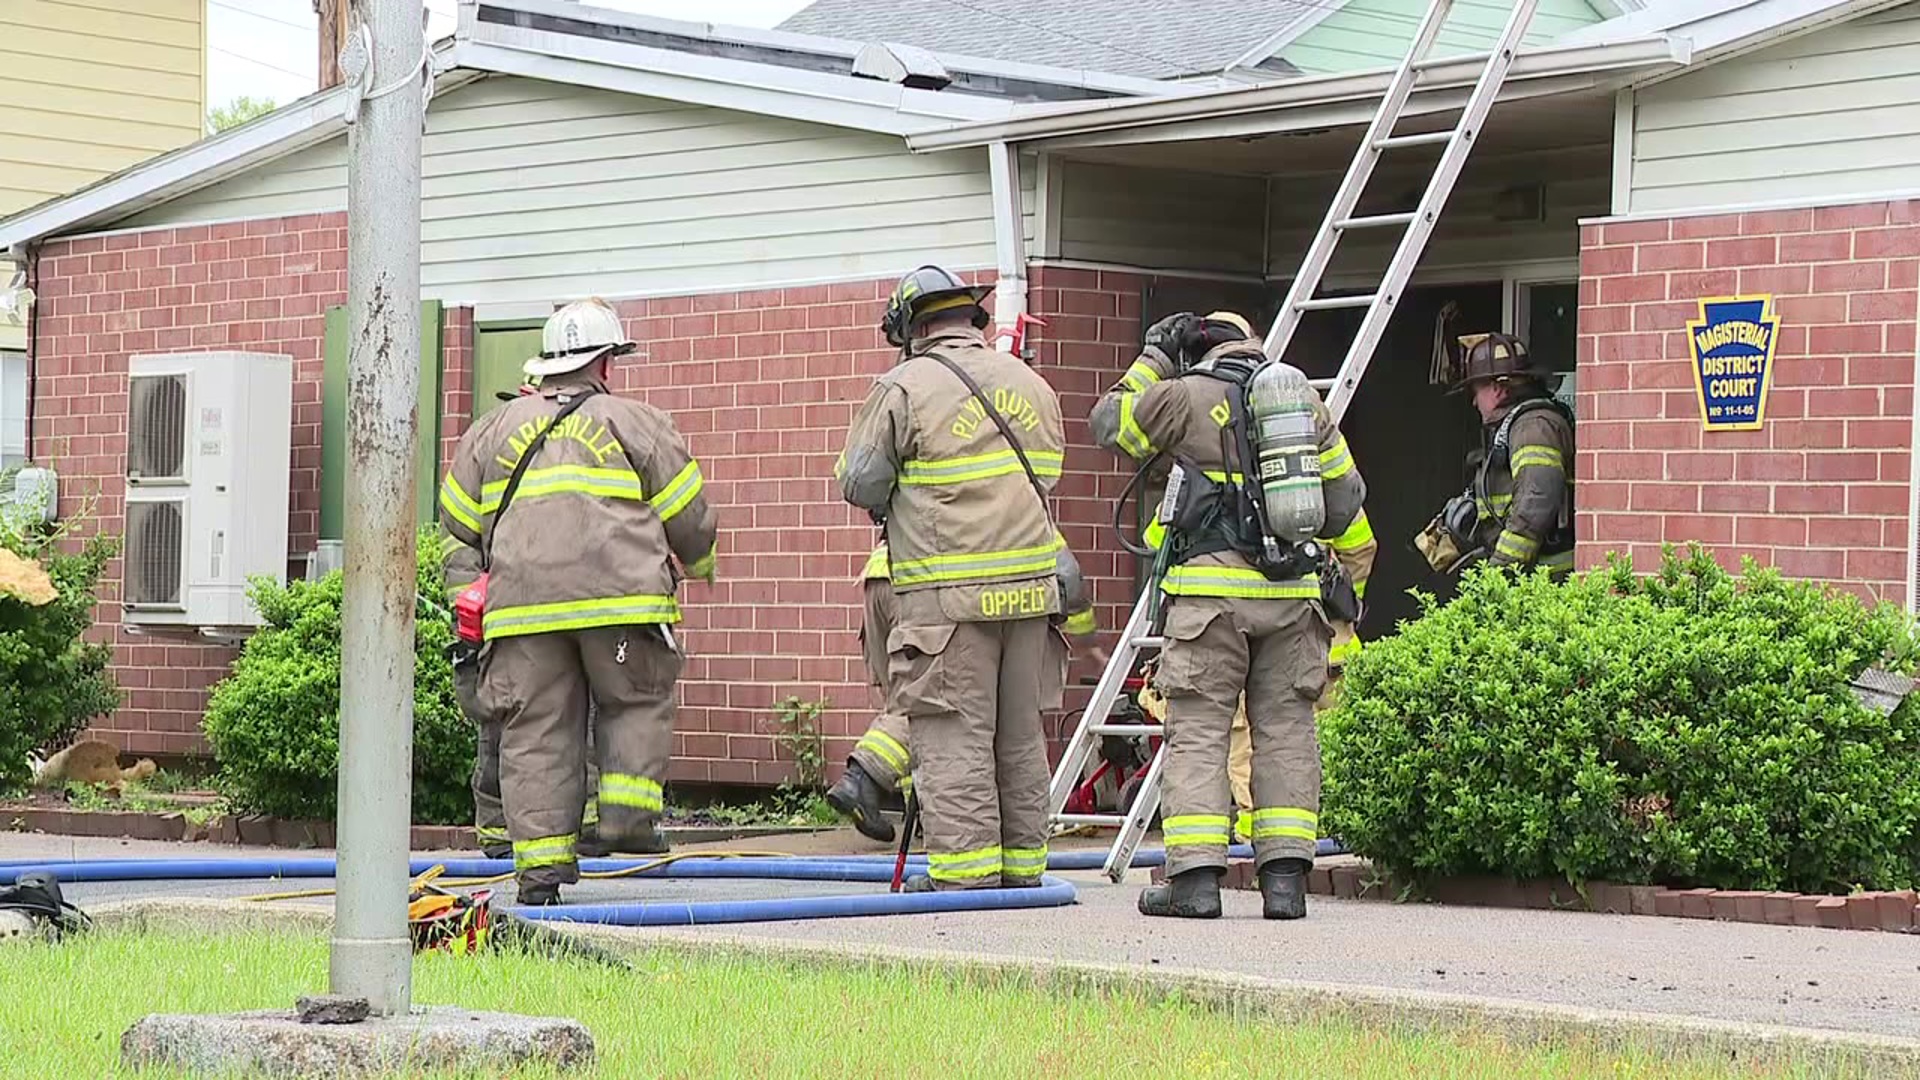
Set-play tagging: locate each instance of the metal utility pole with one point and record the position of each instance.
(372, 957)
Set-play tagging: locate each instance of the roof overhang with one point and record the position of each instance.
(1289, 104)
(1722, 29)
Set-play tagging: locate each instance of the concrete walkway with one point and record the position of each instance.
(1808, 978)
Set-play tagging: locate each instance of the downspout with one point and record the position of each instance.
(33, 342)
(1913, 500)
(1010, 246)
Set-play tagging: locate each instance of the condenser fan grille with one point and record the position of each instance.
(156, 534)
(157, 427)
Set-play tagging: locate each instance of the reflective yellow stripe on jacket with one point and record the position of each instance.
(1033, 560)
(579, 615)
(1236, 582)
(605, 483)
(960, 470)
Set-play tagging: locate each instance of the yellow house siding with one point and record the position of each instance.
(93, 86)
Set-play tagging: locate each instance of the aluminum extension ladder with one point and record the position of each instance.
(1096, 721)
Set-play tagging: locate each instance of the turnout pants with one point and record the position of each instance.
(537, 687)
(971, 694)
(1240, 756)
(489, 815)
(882, 751)
(1275, 653)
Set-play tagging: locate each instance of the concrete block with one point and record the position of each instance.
(1778, 908)
(1697, 903)
(1863, 911)
(1320, 881)
(1896, 911)
(1611, 899)
(1831, 911)
(1643, 898)
(1346, 882)
(276, 1043)
(1666, 903)
(1739, 905)
(1806, 910)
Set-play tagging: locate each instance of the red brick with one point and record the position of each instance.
(1900, 242)
(1707, 226)
(1664, 497)
(1849, 276)
(1736, 499)
(1603, 262)
(1850, 402)
(1698, 285)
(1779, 280)
(1837, 466)
(1881, 306)
(1876, 565)
(1633, 290)
(1707, 529)
(1770, 466)
(1850, 217)
(1776, 221)
(1809, 499)
(1895, 911)
(1629, 466)
(1666, 435)
(1679, 256)
(1813, 565)
(1696, 903)
(1634, 232)
(1702, 466)
(1771, 531)
(1746, 251)
(1877, 434)
(1808, 434)
(1823, 308)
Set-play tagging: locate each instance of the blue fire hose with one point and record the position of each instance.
(876, 869)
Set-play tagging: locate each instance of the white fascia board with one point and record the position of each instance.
(842, 101)
(1744, 30)
(1350, 112)
(1031, 125)
(779, 39)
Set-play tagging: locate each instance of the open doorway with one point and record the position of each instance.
(1409, 437)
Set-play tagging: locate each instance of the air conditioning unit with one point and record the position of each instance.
(209, 451)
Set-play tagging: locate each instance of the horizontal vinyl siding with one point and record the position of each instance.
(93, 86)
(1833, 114)
(536, 190)
(1161, 218)
(1578, 185)
(1375, 33)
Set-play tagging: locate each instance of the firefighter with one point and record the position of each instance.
(1246, 613)
(462, 565)
(954, 451)
(1518, 510)
(580, 502)
(881, 763)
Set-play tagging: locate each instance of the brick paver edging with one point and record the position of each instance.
(1891, 911)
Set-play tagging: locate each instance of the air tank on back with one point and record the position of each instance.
(1287, 444)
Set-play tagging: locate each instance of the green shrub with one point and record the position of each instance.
(1688, 728)
(51, 682)
(274, 722)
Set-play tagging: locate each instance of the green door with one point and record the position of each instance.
(333, 421)
(499, 350)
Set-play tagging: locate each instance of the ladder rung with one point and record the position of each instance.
(1425, 138)
(1127, 729)
(1377, 221)
(1149, 643)
(1109, 820)
(1326, 303)
(1322, 385)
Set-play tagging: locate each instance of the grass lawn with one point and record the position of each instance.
(65, 1008)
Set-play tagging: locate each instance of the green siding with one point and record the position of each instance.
(1374, 33)
(499, 351)
(333, 421)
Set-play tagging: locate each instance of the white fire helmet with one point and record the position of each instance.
(576, 336)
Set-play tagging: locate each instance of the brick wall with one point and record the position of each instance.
(763, 384)
(1821, 491)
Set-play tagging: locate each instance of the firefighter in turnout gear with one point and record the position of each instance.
(580, 503)
(1518, 510)
(1247, 591)
(954, 452)
(880, 763)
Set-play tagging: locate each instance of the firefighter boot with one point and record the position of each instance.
(857, 796)
(540, 894)
(1283, 889)
(642, 839)
(1194, 894)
